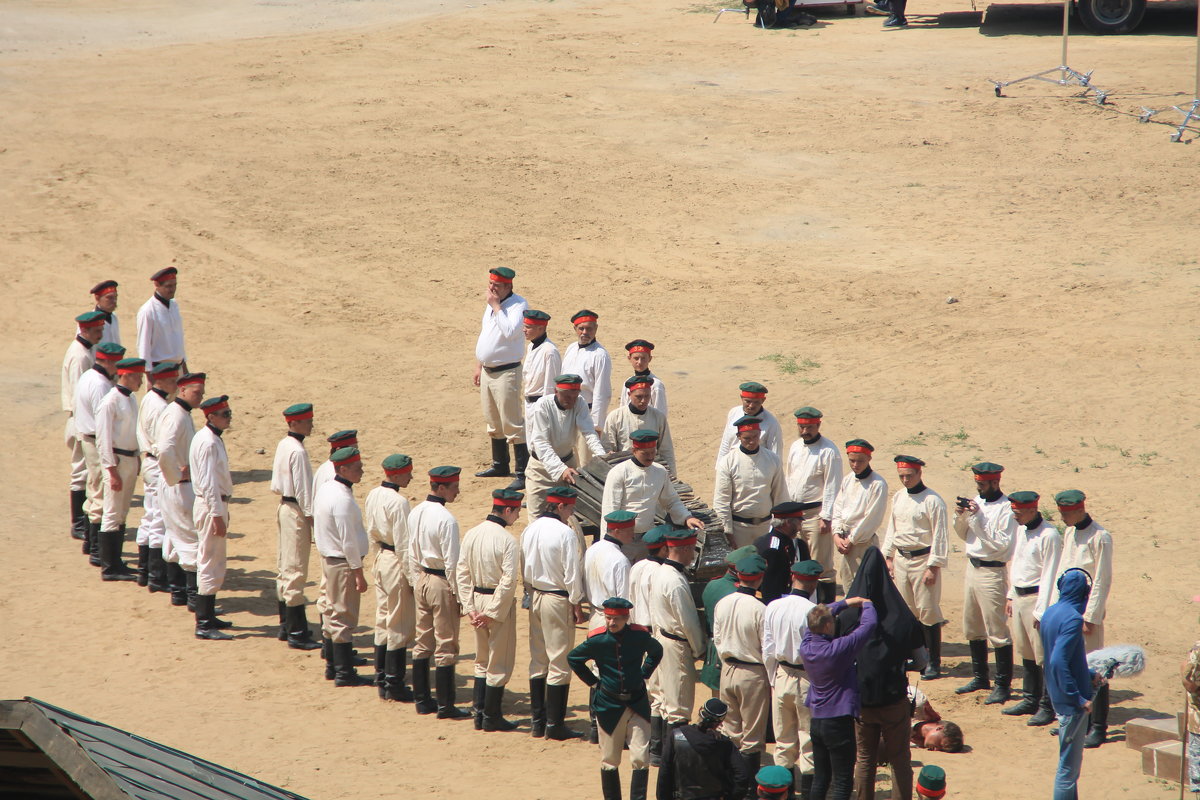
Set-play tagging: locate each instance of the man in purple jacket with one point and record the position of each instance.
(833, 695)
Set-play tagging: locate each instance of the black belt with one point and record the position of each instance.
(532, 398)
(740, 663)
(391, 547)
(91, 437)
(289, 499)
(226, 498)
(502, 368)
(672, 636)
(564, 459)
(975, 562)
(482, 590)
(793, 666)
(185, 480)
(624, 697)
(920, 551)
(1025, 591)
(126, 453)
(151, 455)
(751, 520)
(555, 592)
(441, 573)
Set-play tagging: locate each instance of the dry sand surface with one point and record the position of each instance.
(333, 199)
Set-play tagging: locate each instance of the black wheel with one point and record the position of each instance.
(1111, 16)
(998, 94)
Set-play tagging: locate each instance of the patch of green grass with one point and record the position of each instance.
(1121, 451)
(1144, 458)
(791, 365)
(917, 440)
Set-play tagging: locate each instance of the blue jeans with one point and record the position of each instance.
(1071, 730)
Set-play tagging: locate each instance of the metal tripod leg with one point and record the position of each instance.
(1066, 75)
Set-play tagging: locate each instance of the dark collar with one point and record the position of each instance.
(101, 370)
(183, 404)
(159, 392)
(800, 593)
(862, 476)
(655, 559)
(497, 519)
(217, 431)
(637, 463)
(783, 537)
(742, 447)
(746, 590)
(433, 498)
(344, 482)
(160, 299)
(1035, 522)
(920, 487)
(617, 542)
(1084, 523)
(550, 514)
(395, 487)
(641, 374)
(536, 343)
(672, 563)
(633, 410)
(123, 390)
(299, 437)
(107, 314)
(992, 496)
(595, 343)
(560, 406)
(86, 344)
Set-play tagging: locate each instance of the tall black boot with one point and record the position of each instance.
(897, 19)
(639, 779)
(1045, 712)
(344, 673)
(380, 661)
(393, 677)
(94, 553)
(1004, 670)
(979, 668)
(806, 779)
(143, 567)
(610, 784)
(826, 592)
(556, 713)
(281, 607)
(493, 710)
(752, 761)
(299, 637)
(206, 616)
(420, 677)
(1098, 725)
(217, 622)
(593, 736)
(933, 640)
(538, 697)
(327, 654)
(478, 696)
(1031, 691)
(89, 531)
(112, 568)
(177, 580)
(444, 684)
(78, 520)
(189, 577)
(656, 733)
(158, 572)
(521, 455)
(499, 467)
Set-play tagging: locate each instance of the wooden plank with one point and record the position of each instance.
(28, 760)
(70, 762)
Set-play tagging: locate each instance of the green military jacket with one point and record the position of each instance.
(624, 660)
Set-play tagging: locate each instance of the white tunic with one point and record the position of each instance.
(552, 432)
(658, 393)
(674, 608)
(748, 485)
(78, 360)
(917, 521)
(387, 512)
(173, 440)
(738, 627)
(542, 365)
(646, 491)
(772, 433)
(211, 480)
(112, 330)
(160, 332)
(338, 524)
(489, 560)
(990, 533)
(323, 475)
(784, 624)
(814, 473)
(291, 473)
(1089, 549)
(641, 578)
(501, 334)
(151, 409)
(594, 365)
(551, 558)
(860, 508)
(623, 420)
(1035, 559)
(116, 425)
(606, 572)
(91, 388)
(433, 538)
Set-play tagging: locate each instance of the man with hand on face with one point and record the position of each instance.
(753, 395)
(116, 442)
(814, 474)
(498, 354)
(90, 391)
(292, 480)
(105, 293)
(213, 486)
(644, 487)
(553, 425)
(587, 358)
(636, 413)
(173, 441)
(395, 606)
(749, 484)
(159, 324)
(859, 510)
(640, 354)
(781, 547)
(77, 361)
(916, 548)
(152, 530)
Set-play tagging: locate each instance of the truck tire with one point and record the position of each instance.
(1110, 16)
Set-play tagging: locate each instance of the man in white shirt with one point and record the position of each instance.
(636, 414)
(173, 441)
(387, 511)
(859, 511)
(498, 353)
(677, 628)
(587, 358)
(324, 473)
(159, 323)
(640, 353)
(212, 483)
(77, 361)
(90, 391)
(606, 574)
(814, 474)
(152, 529)
(553, 424)
(738, 637)
(749, 483)
(105, 293)
(641, 581)
(754, 395)
(116, 442)
(543, 363)
(552, 564)
(292, 480)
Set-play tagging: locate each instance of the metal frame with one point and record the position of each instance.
(1191, 112)
(726, 10)
(1066, 75)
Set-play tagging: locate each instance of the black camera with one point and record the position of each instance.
(963, 502)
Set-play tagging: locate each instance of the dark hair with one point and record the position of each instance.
(952, 737)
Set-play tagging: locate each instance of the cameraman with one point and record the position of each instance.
(699, 763)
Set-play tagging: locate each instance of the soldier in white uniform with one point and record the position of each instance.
(173, 441)
(859, 511)
(916, 548)
(641, 581)
(77, 361)
(640, 353)
(292, 480)
(1031, 571)
(738, 636)
(587, 358)
(90, 391)
(605, 565)
(324, 474)
(498, 353)
(395, 606)
(159, 323)
(552, 570)
(487, 588)
(152, 529)
(543, 363)
(433, 547)
(212, 483)
(642, 486)
(754, 395)
(116, 442)
(814, 475)
(988, 527)
(749, 483)
(342, 542)
(677, 628)
(554, 423)
(635, 414)
(105, 293)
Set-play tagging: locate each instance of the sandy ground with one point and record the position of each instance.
(333, 198)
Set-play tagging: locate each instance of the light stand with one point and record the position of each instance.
(1189, 112)
(1066, 75)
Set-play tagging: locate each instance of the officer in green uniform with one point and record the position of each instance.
(710, 674)
(625, 656)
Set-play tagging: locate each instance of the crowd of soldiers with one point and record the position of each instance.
(798, 526)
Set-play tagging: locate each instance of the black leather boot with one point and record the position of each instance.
(189, 577)
(1098, 725)
(478, 695)
(610, 784)
(593, 736)
(493, 710)
(78, 520)
(94, 552)
(1002, 692)
(538, 697)
(299, 637)
(112, 568)
(206, 617)
(143, 567)
(158, 572)
(556, 713)
(1031, 691)
(177, 579)
(499, 467)
(656, 734)
(380, 661)
(420, 677)
(327, 654)
(281, 607)
(521, 456)
(639, 779)
(393, 677)
(344, 673)
(444, 685)
(806, 780)
(979, 668)
(1045, 712)
(753, 761)
(89, 530)
(933, 640)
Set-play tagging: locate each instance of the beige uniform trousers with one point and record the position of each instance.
(177, 503)
(150, 530)
(744, 534)
(503, 404)
(395, 606)
(820, 546)
(1027, 642)
(849, 561)
(342, 601)
(793, 748)
(78, 464)
(93, 506)
(925, 601)
(496, 649)
(677, 681)
(295, 541)
(551, 637)
(210, 552)
(985, 591)
(633, 731)
(746, 691)
(538, 484)
(437, 620)
(1095, 639)
(115, 505)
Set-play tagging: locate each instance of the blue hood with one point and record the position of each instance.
(1074, 586)
(1068, 680)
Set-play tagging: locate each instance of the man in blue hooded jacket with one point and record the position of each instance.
(1068, 680)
